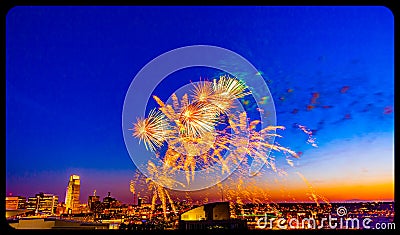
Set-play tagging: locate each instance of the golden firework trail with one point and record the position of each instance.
(313, 195)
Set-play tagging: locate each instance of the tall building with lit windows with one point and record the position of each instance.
(43, 203)
(72, 194)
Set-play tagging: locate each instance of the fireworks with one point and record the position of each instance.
(202, 91)
(189, 126)
(220, 93)
(197, 118)
(189, 120)
(151, 130)
(229, 88)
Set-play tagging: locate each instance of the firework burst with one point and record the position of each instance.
(229, 88)
(225, 90)
(197, 118)
(202, 91)
(151, 130)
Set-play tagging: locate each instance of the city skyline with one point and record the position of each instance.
(330, 71)
(72, 193)
(133, 197)
(110, 214)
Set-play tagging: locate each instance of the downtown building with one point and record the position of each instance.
(93, 202)
(72, 195)
(15, 202)
(214, 215)
(43, 203)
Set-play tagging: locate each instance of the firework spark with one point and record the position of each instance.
(202, 92)
(225, 90)
(229, 88)
(151, 130)
(198, 118)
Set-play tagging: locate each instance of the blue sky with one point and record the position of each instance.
(68, 70)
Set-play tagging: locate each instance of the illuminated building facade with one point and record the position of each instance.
(21, 202)
(11, 203)
(209, 216)
(60, 208)
(211, 211)
(108, 201)
(48, 203)
(43, 203)
(32, 204)
(72, 194)
(92, 201)
(15, 202)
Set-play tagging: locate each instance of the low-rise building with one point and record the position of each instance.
(210, 216)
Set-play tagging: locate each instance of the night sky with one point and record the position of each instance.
(68, 69)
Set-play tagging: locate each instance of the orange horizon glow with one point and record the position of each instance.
(375, 191)
(365, 192)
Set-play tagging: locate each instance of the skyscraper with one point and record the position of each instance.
(92, 200)
(72, 194)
